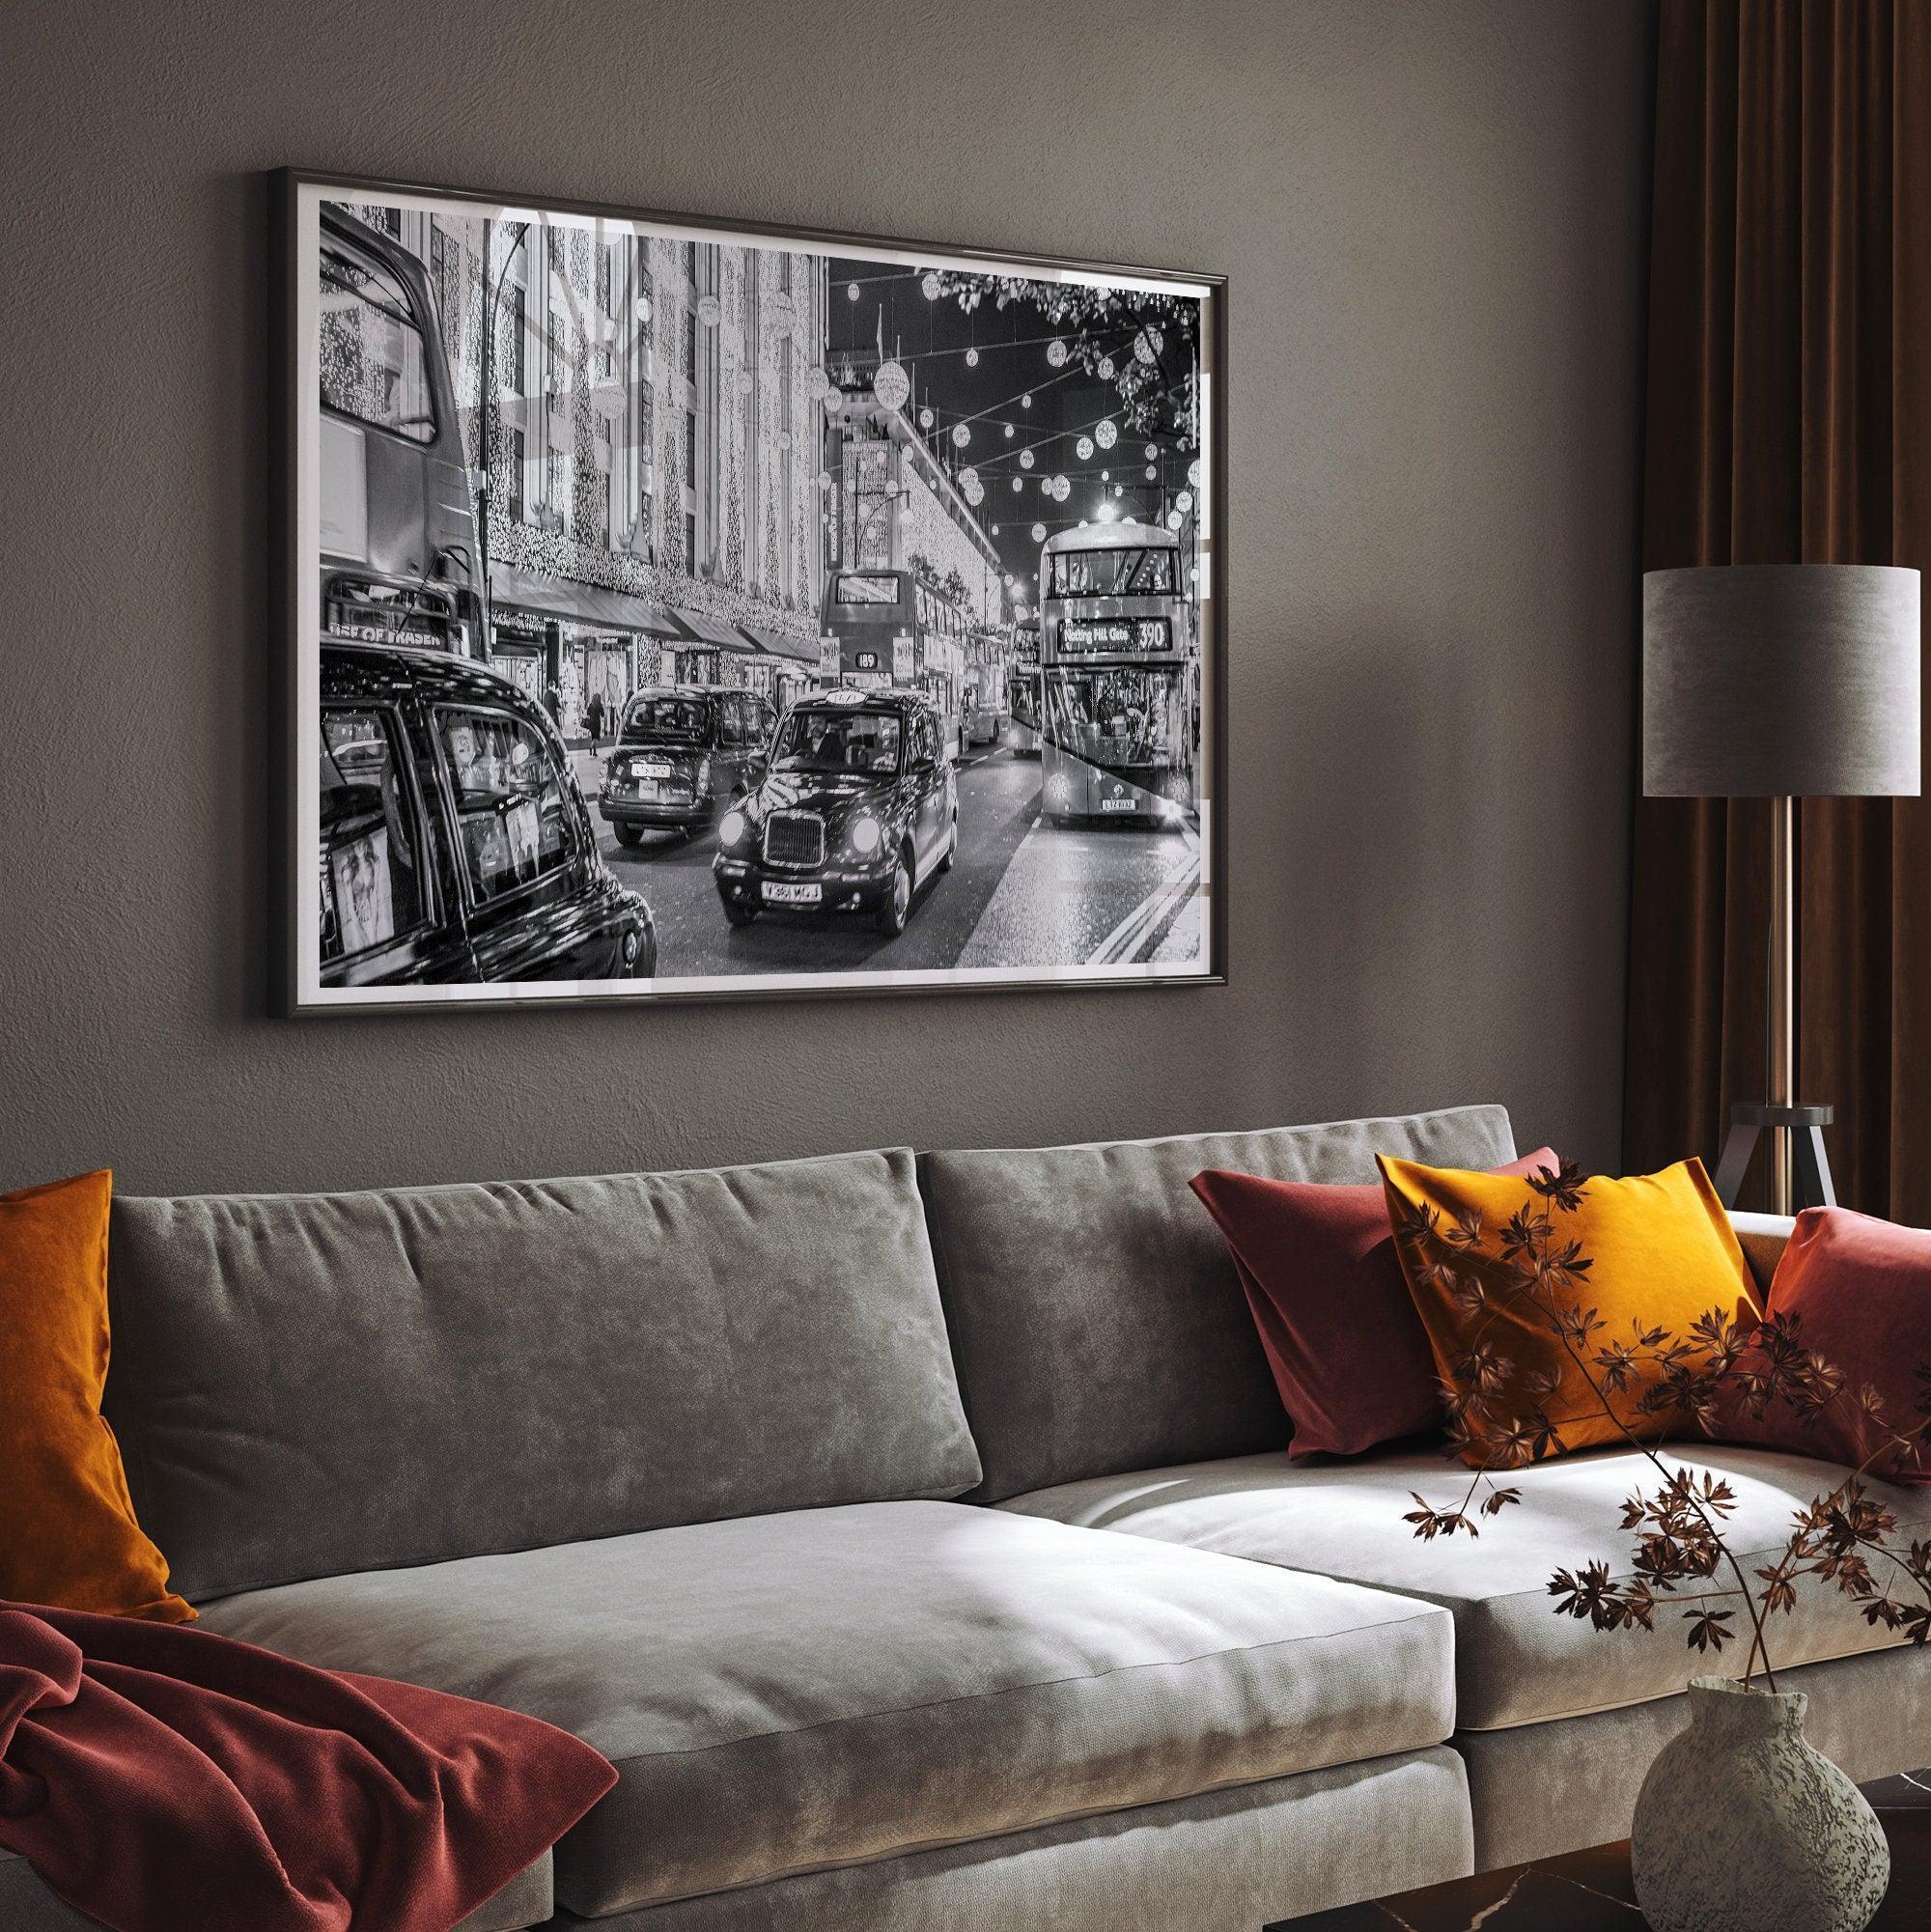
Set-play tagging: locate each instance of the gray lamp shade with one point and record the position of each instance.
(1780, 680)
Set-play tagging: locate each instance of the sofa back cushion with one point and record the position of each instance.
(1763, 1239)
(308, 1384)
(1097, 1320)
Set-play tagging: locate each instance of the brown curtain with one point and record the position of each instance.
(1788, 421)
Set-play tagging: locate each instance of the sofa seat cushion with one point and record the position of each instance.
(1516, 1660)
(788, 1693)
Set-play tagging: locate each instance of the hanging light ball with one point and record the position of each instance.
(709, 310)
(1026, 459)
(1107, 433)
(1184, 500)
(967, 477)
(1009, 433)
(1153, 472)
(926, 418)
(962, 435)
(834, 400)
(1153, 452)
(1146, 347)
(784, 439)
(1119, 490)
(975, 491)
(643, 308)
(825, 479)
(928, 285)
(971, 359)
(1061, 489)
(1085, 447)
(1105, 474)
(1055, 352)
(1173, 519)
(891, 385)
(996, 529)
(1194, 472)
(1018, 484)
(1039, 533)
(850, 291)
(1025, 401)
(1106, 369)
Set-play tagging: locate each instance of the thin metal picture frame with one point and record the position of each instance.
(296, 966)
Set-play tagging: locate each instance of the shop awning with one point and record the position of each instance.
(704, 629)
(801, 650)
(581, 603)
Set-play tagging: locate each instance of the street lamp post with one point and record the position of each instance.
(492, 294)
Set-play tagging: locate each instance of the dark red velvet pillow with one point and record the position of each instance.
(1349, 1353)
(1860, 1293)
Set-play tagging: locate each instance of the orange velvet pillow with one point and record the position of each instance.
(67, 1534)
(1653, 1252)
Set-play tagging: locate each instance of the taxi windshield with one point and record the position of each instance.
(833, 740)
(650, 720)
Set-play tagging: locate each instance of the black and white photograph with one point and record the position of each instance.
(683, 612)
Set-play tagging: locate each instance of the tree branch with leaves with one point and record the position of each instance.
(1499, 1418)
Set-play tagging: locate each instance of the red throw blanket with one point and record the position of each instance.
(160, 1777)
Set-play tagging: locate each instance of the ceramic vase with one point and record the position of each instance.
(1742, 1827)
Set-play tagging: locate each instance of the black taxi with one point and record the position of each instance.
(858, 809)
(682, 751)
(455, 843)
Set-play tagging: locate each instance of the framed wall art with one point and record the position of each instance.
(677, 609)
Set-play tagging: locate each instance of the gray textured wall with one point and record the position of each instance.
(1431, 211)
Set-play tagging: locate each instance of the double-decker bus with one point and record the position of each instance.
(883, 628)
(983, 706)
(1022, 693)
(400, 560)
(1117, 672)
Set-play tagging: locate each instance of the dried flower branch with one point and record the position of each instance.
(1497, 1418)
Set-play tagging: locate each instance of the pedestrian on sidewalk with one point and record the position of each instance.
(593, 719)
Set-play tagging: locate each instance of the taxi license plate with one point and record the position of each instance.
(1119, 804)
(655, 770)
(779, 892)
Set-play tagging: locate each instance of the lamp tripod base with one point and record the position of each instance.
(1806, 1174)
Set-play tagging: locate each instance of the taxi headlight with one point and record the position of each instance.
(704, 776)
(731, 828)
(864, 835)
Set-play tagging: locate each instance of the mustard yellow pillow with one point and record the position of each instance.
(67, 1534)
(1539, 1293)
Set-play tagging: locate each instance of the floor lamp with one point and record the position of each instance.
(1781, 682)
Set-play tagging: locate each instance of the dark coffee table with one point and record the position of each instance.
(1590, 1891)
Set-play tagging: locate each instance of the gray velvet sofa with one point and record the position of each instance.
(916, 1536)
